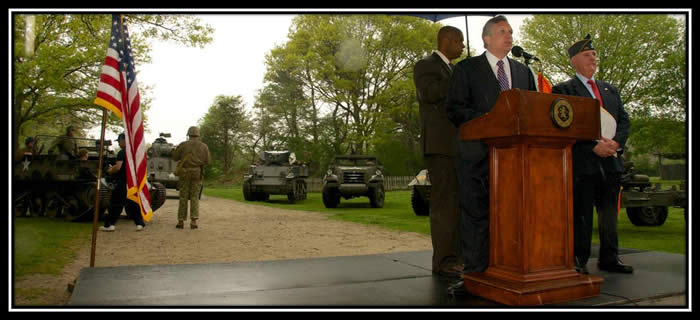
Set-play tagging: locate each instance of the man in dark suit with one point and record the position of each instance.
(475, 87)
(597, 165)
(431, 76)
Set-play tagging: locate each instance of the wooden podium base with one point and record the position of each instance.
(532, 293)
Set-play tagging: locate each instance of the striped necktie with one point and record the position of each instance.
(502, 79)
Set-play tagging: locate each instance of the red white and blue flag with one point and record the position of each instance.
(118, 92)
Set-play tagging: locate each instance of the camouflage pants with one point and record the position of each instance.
(189, 185)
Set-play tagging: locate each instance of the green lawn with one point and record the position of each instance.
(398, 215)
(46, 245)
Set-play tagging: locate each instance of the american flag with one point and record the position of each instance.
(118, 92)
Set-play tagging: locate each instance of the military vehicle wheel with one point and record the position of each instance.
(331, 198)
(420, 207)
(54, 207)
(247, 194)
(647, 216)
(21, 204)
(376, 197)
(158, 195)
(37, 205)
(73, 211)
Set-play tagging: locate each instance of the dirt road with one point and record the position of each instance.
(229, 231)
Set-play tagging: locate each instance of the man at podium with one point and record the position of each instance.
(597, 165)
(475, 86)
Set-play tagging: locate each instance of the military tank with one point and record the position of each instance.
(45, 184)
(275, 172)
(160, 163)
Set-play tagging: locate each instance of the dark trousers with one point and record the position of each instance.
(444, 211)
(473, 193)
(118, 202)
(600, 190)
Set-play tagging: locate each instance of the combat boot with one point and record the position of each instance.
(180, 224)
(193, 224)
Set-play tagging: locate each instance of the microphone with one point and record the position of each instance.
(519, 52)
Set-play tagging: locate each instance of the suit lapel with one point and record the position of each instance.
(485, 68)
(581, 89)
(444, 67)
(514, 73)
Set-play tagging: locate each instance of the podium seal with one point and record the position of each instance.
(562, 113)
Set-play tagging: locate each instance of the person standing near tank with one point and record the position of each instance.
(192, 155)
(431, 76)
(67, 148)
(118, 200)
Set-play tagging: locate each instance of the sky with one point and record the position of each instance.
(186, 80)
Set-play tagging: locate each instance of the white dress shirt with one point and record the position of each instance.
(506, 67)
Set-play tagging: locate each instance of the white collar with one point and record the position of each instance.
(493, 59)
(583, 78)
(442, 56)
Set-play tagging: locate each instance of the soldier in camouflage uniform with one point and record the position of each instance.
(192, 155)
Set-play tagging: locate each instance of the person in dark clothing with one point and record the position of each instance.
(431, 76)
(597, 165)
(474, 88)
(119, 201)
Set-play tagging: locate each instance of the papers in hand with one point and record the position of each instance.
(608, 125)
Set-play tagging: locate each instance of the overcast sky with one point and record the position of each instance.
(185, 81)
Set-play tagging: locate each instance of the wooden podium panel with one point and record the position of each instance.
(531, 199)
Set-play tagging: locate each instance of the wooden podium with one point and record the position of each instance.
(531, 255)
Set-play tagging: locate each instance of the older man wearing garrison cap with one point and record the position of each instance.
(597, 165)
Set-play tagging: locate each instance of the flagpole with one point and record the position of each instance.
(97, 195)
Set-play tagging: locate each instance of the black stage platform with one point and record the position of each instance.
(397, 280)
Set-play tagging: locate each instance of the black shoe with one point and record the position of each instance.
(457, 289)
(579, 266)
(616, 266)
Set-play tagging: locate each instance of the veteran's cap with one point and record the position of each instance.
(580, 46)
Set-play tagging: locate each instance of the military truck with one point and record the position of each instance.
(161, 166)
(275, 172)
(647, 205)
(47, 184)
(420, 193)
(351, 176)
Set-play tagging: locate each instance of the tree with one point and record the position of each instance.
(641, 55)
(644, 56)
(353, 75)
(57, 81)
(221, 129)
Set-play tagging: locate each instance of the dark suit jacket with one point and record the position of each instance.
(586, 162)
(432, 79)
(473, 91)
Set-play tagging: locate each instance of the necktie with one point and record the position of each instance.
(596, 92)
(502, 79)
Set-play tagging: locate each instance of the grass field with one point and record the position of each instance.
(398, 215)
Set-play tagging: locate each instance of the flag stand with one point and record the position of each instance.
(97, 194)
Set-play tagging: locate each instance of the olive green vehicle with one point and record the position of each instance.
(645, 205)
(161, 166)
(275, 172)
(420, 193)
(351, 176)
(48, 184)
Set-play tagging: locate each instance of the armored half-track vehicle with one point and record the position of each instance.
(161, 166)
(420, 193)
(275, 172)
(48, 184)
(647, 205)
(351, 176)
